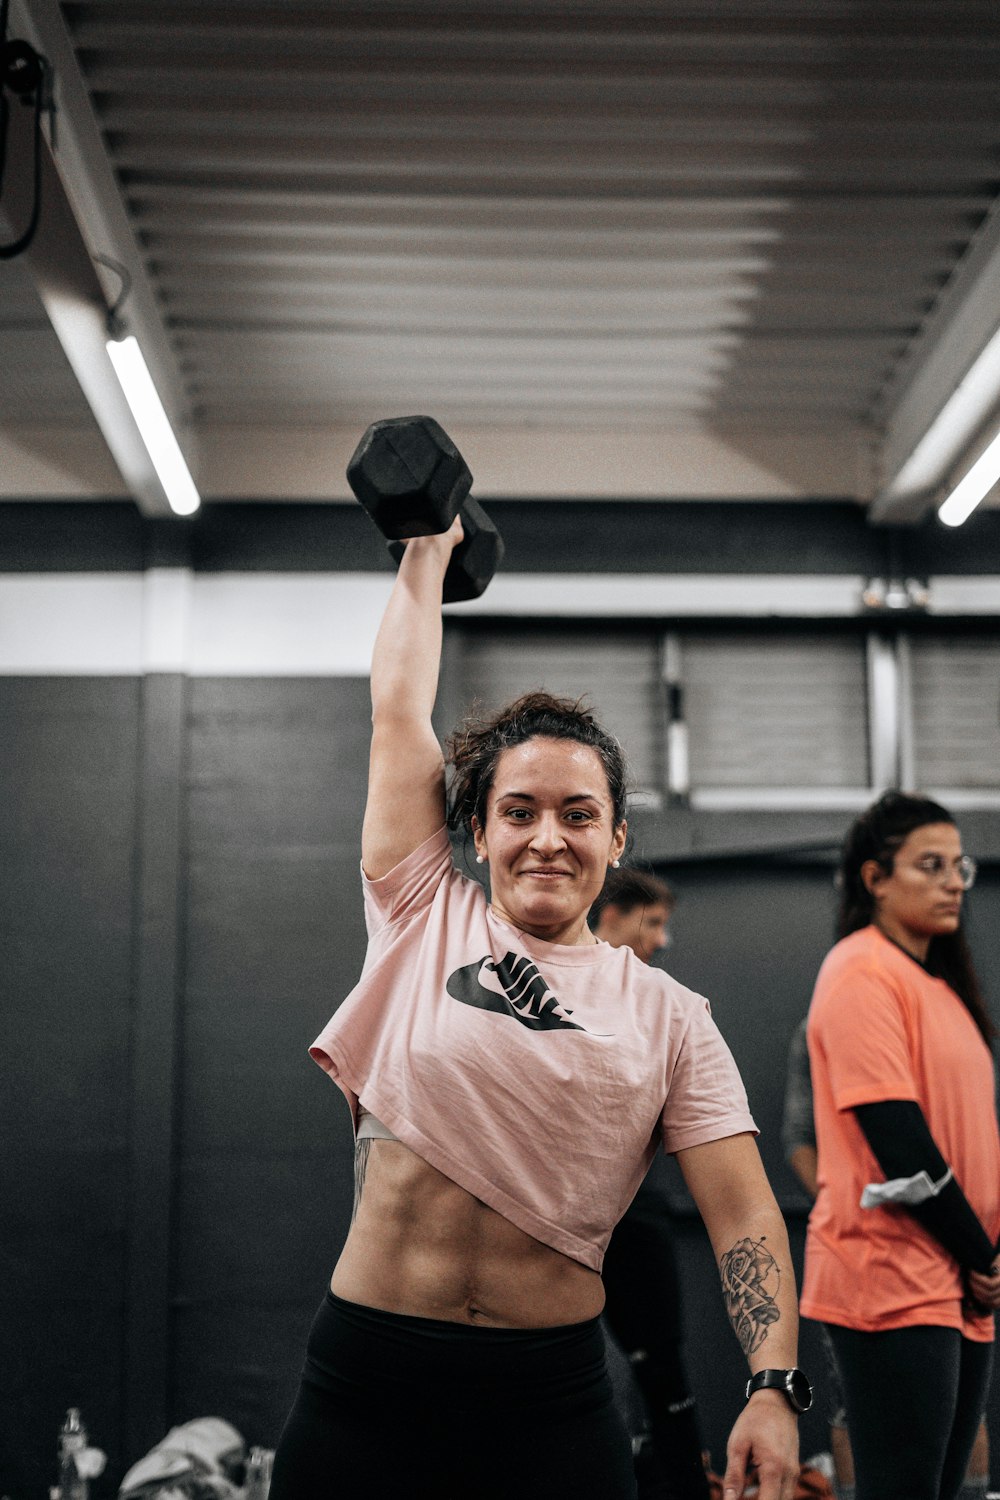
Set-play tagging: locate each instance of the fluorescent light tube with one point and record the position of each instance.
(966, 409)
(154, 428)
(974, 487)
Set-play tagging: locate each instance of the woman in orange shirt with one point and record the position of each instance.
(900, 1254)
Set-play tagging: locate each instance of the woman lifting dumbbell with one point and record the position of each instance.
(509, 1077)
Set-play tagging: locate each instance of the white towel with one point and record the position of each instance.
(909, 1190)
(196, 1449)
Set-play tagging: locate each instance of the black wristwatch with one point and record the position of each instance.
(792, 1384)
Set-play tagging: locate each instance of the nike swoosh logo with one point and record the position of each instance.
(527, 997)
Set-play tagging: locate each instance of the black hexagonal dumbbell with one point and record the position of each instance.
(412, 481)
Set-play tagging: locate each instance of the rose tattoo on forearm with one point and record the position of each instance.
(750, 1281)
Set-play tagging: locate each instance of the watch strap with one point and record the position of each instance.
(792, 1384)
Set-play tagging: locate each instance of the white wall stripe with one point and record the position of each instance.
(70, 624)
(965, 596)
(167, 602)
(655, 595)
(324, 624)
(286, 624)
(212, 624)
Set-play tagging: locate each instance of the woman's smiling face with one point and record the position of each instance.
(549, 837)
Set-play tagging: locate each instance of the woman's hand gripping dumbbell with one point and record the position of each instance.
(412, 481)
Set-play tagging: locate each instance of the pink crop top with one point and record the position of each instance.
(539, 1077)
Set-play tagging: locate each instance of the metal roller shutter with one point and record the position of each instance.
(775, 711)
(955, 692)
(616, 670)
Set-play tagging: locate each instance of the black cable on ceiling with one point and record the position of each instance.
(4, 106)
(26, 75)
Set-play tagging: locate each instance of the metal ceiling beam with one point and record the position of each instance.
(959, 328)
(67, 285)
(82, 216)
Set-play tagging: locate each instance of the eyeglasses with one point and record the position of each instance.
(937, 868)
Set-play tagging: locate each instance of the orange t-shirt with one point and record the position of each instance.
(881, 1027)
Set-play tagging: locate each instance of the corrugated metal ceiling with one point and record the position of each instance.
(548, 215)
(546, 212)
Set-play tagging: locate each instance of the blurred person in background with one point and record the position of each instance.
(901, 1263)
(798, 1133)
(641, 1281)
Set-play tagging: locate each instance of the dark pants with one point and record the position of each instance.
(393, 1406)
(643, 1311)
(914, 1398)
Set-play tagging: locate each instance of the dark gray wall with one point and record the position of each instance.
(68, 769)
(269, 936)
(541, 536)
(175, 1181)
(274, 937)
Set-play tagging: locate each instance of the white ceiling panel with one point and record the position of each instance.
(547, 216)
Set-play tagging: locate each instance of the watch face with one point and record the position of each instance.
(799, 1390)
(792, 1383)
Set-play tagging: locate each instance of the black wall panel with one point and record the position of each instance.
(541, 536)
(68, 755)
(274, 938)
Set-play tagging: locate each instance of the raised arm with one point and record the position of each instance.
(744, 1223)
(406, 800)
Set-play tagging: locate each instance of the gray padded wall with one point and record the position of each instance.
(253, 1187)
(274, 938)
(270, 936)
(68, 769)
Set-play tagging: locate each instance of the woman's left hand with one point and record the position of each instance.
(766, 1435)
(985, 1289)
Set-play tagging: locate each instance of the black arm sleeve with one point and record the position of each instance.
(902, 1144)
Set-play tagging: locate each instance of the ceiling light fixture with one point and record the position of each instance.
(973, 488)
(144, 402)
(965, 410)
(153, 424)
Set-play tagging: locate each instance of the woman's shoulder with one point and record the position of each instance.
(864, 965)
(863, 949)
(683, 1003)
(415, 880)
(429, 852)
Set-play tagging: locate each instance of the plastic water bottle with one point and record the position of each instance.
(72, 1440)
(258, 1477)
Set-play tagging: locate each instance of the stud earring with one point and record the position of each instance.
(480, 859)
(616, 864)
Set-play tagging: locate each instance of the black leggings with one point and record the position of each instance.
(643, 1311)
(394, 1406)
(914, 1398)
